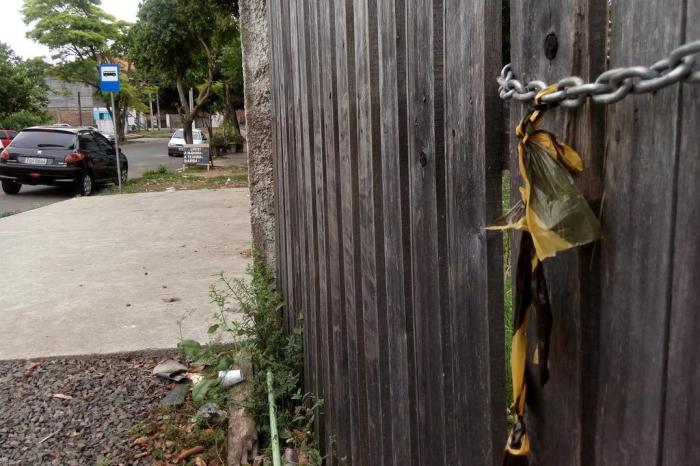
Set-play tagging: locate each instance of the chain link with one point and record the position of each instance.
(611, 86)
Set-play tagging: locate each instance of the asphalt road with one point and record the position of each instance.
(143, 155)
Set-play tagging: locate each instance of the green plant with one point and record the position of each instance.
(260, 334)
(234, 137)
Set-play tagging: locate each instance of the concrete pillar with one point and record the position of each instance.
(258, 107)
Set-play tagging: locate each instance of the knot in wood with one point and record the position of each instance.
(551, 46)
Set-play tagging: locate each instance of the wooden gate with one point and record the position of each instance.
(389, 138)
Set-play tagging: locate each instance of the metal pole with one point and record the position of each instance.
(274, 436)
(192, 108)
(80, 110)
(158, 109)
(116, 142)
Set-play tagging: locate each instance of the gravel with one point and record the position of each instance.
(88, 423)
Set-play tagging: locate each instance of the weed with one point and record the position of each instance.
(260, 334)
(162, 178)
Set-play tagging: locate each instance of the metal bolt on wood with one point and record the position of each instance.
(612, 85)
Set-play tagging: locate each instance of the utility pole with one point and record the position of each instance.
(80, 111)
(158, 108)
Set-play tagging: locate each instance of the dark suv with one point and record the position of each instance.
(76, 158)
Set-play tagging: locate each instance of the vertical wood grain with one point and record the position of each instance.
(561, 416)
(338, 391)
(347, 148)
(311, 311)
(682, 420)
(372, 292)
(472, 180)
(430, 379)
(637, 247)
(394, 173)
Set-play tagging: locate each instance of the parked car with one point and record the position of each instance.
(76, 158)
(6, 137)
(109, 137)
(177, 141)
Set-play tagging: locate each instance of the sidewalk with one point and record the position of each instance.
(117, 273)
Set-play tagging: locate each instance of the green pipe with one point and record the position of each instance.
(274, 437)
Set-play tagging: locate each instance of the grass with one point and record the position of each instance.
(191, 179)
(6, 214)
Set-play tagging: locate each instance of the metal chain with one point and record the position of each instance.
(611, 86)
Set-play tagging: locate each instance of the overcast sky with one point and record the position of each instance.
(13, 30)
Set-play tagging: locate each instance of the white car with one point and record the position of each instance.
(177, 141)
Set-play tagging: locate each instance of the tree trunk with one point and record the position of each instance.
(117, 115)
(187, 129)
(230, 118)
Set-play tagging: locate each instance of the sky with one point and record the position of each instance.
(13, 30)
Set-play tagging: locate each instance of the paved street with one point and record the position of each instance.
(144, 154)
(117, 273)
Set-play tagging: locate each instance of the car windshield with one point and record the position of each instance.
(179, 134)
(46, 139)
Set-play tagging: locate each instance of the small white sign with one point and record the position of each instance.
(109, 73)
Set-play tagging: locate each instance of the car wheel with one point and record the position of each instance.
(11, 187)
(85, 185)
(125, 174)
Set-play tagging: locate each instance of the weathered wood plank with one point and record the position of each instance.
(682, 419)
(323, 358)
(279, 146)
(367, 152)
(311, 303)
(636, 250)
(394, 172)
(338, 391)
(299, 224)
(424, 232)
(475, 291)
(349, 198)
(561, 417)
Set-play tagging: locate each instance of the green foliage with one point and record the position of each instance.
(260, 334)
(233, 137)
(190, 44)
(23, 119)
(161, 41)
(81, 36)
(23, 92)
(79, 33)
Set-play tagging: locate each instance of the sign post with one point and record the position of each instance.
(109, 82)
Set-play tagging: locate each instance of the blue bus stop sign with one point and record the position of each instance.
(109, 78)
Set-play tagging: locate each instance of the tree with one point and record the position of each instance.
(177, 41)
(23, 92)
(82, 36)
(230, 66)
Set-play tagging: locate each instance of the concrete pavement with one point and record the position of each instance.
(117, 273)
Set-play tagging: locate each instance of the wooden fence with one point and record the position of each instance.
(389, 143)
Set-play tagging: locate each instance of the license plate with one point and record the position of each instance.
(35, 161)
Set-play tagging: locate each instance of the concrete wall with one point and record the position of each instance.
(256, 73)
